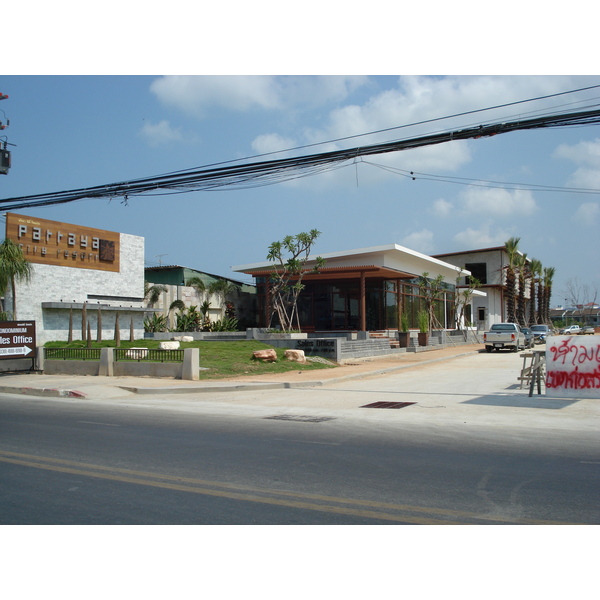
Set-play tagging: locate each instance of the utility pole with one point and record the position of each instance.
(4, 152)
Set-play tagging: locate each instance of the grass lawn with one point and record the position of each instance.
(222, 359)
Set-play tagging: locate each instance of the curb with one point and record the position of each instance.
(47, 392)
(233, 387)
(282, 385)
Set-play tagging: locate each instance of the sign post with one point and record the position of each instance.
(17, 339)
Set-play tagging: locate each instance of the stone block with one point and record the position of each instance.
(295, 355)
(267, 355)
(137, 353)
(168, 345)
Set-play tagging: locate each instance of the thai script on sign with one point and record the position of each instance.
(573, 364)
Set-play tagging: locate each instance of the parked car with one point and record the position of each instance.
(540, 333)
(529, 340)
(571, 330)
(504, 336)
(587, 331)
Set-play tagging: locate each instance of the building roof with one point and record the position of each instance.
(391, 261)
(167, 268)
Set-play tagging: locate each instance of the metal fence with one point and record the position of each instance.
(147, 355)
(119, 354)
(72, 353)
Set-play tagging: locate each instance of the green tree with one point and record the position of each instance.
(14, 267)
(430, 290)
(286, 279)
(462, 299)
(223, 289)
(522, 270)
(548, 277)
(198, 284)
(153, 292)
(535, 269)
(511, 247)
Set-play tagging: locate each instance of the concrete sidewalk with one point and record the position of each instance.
(73, 386)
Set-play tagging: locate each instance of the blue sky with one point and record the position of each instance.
(73, 131)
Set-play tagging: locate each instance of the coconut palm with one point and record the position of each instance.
(548, 276)
(511, 247)
(540, 296)
(522, 270)
(14, 267)
(535, 269)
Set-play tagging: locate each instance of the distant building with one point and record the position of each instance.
(174, 279)
(582, 314)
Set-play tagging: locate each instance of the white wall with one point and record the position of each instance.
(69, 285)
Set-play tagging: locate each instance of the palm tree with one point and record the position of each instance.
(523, 275)
(540, 296)
(198, 284)
(511, 246)
(223, 289)
(153, 292)
(548, 276)
(535, 269)
(13, 267)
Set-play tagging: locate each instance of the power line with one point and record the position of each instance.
(263, 173)
(507, 185)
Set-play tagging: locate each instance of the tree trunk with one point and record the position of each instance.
(99, 334)
(117, 331)
(83, 321)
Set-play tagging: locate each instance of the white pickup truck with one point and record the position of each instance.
(504, 335)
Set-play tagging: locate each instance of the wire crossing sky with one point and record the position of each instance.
(367, 160)
(275, 171)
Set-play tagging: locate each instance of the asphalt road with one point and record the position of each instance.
(306, 456)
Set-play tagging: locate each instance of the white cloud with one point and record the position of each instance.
(197, 94)
(442, 208)
(160, 133)
(421, 241)
(498, 202)
(587, 215)
(480, 238)
(587, 155)
(272, 142)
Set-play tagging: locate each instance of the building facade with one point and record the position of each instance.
(73, 266)
(362, 290)
(488, 266)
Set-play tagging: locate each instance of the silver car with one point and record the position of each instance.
(529, 339)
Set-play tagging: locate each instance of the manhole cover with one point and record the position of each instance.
(388, 404)
(303, 418)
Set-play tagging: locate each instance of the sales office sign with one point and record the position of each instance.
(54, 243)
(17, 339)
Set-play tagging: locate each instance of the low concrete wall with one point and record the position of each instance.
(106, 366)
(71, 367)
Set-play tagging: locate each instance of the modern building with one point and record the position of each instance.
(362, 289)
(488, 266)
(75, 266)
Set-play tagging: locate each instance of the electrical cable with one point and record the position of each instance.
(262, 173)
